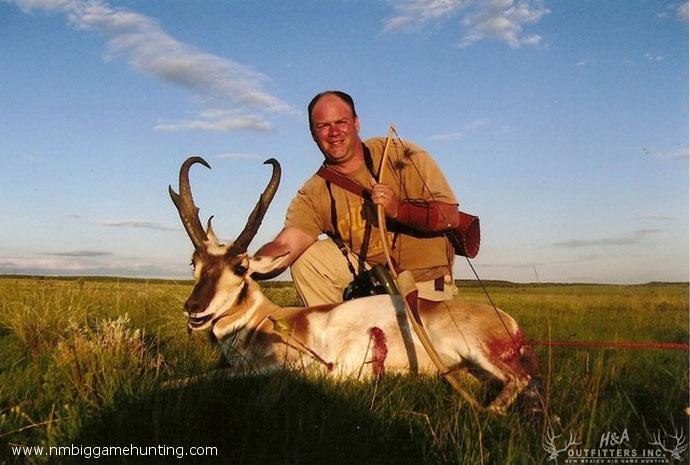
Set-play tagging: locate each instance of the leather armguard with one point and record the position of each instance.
(429, 216)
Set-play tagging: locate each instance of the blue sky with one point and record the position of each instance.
(563, 125)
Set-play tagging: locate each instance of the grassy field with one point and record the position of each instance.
(82, 362)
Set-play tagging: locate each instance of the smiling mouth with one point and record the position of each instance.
(198, 322)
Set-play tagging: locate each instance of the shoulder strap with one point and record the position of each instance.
(346, 183)
(343, 182)
(335, 235)
(369, 161)
(333, 177)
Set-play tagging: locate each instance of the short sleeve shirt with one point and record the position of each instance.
(414, 176)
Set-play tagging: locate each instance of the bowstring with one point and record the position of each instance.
(474, 271)
(419, 173)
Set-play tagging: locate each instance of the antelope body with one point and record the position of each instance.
(361, 337)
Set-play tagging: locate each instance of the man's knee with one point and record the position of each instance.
(314, 258)
(320, 274)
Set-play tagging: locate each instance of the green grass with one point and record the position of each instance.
(82, 362)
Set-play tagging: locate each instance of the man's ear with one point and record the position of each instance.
(265, 265)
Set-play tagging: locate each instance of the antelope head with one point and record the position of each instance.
(221, 271)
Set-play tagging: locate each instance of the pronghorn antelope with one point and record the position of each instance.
(361, 337)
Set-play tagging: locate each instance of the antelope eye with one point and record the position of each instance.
(240, 270)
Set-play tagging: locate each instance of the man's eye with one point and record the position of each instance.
(240, 270)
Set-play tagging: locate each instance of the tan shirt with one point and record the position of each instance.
(426, 257)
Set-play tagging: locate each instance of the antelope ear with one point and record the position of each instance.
(265, 265)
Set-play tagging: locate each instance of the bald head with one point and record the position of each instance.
(346, 98)
(335, 129)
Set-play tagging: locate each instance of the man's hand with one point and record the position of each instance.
(291, 241)
(383, 194)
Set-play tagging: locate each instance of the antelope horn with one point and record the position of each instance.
(189, 213)
(210, 233)
(257, 215)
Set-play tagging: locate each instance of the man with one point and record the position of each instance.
(418, 202)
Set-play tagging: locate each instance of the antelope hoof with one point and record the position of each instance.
(498, 410)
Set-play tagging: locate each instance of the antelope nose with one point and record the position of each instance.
(191, 306)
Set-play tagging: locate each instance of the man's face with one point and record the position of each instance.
(335, 129)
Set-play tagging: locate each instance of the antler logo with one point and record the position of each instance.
(680, 446)
(552, 449)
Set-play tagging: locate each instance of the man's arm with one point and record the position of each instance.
(429, 216)
(425, 216)
(290, 240)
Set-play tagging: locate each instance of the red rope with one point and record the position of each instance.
(613, 345)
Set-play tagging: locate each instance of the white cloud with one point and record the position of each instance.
(418, 13)
(221, 124)
(137, 224)
(672, 154)
(33, 158)
(237, 156)
(91, 266)
(148, 48)
(653, 217)
(678, 11)
(79, 253)
(463, 132)
(654, 58)
(632, 239)
(501, 20)
(46, 5)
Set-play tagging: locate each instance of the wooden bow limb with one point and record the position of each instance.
(380, 211)
(407, 287)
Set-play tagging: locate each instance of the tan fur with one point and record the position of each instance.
(258, 336)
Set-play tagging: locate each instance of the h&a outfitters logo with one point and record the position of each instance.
(615, 447)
